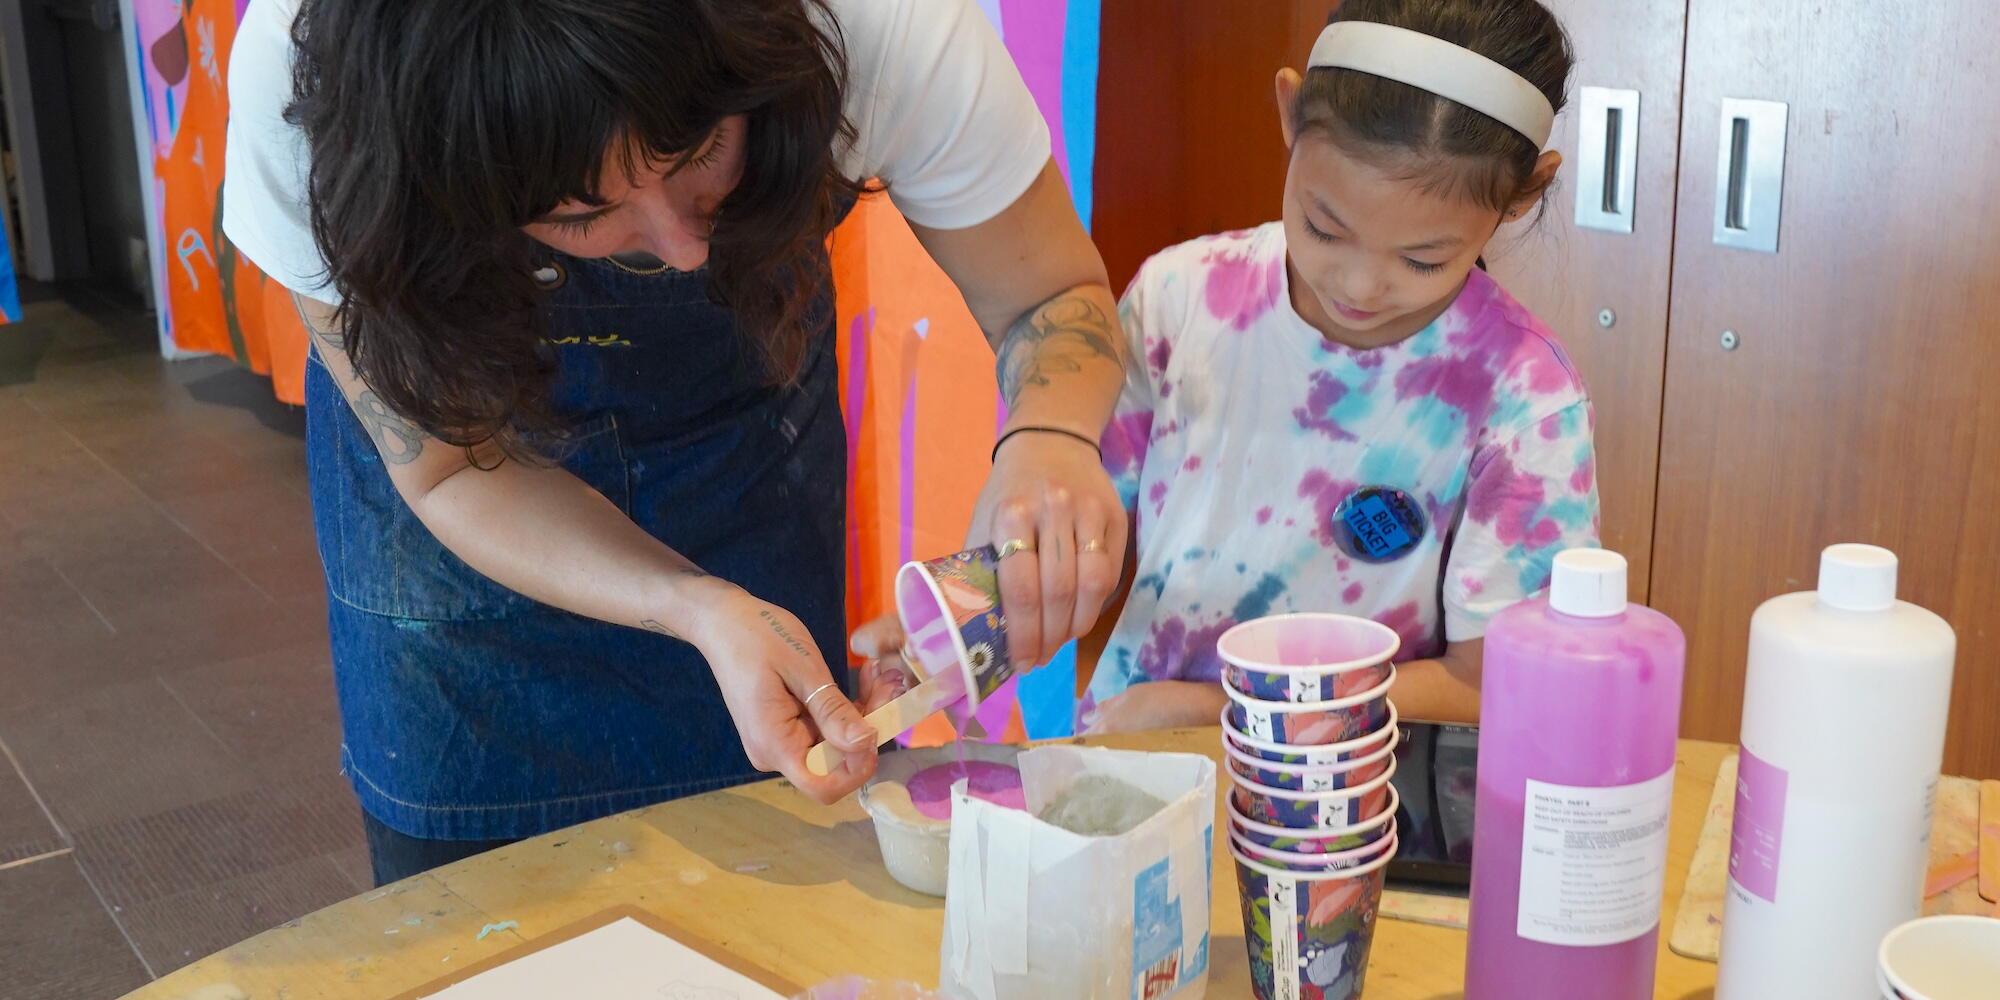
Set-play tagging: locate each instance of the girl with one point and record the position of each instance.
(1340, 411)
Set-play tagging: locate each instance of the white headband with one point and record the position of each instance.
(1438, 66)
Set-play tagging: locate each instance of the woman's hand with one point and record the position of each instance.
(1051, 491)
(882, 677)
(1160, 705)
(775, 684)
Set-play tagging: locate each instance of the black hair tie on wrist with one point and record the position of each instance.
(1092, 445)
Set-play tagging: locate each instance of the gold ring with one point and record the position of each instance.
(1014, 545)
(1094, 545)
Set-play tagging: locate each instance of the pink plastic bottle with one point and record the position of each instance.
(1579, 709)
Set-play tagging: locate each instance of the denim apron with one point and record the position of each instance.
(471, 712)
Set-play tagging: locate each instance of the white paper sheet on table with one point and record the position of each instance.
(623, 960)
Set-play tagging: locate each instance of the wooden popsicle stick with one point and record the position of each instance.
(1989, 840)
(899, 716)
(1945, 875)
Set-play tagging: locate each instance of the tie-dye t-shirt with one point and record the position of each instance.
(1241, 432)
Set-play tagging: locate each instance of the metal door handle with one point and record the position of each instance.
(1750, 174)
(1607, 173)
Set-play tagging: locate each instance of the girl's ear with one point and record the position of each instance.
(1288, 84)
(1536, 185)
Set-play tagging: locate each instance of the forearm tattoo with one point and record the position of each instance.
(657, 627)
(1056, 339)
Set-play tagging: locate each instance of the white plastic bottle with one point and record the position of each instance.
(1843, 736)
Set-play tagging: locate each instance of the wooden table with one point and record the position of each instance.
(762, 873)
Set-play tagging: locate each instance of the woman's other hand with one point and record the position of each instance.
(781, 695)
(1051, 492)
(882, 676)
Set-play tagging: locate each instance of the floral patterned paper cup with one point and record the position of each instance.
(1308, 933)
(1328, 862)
(1310, 755)
(1321, 778)
(1313, 810)
(1307, 657)
(1306, 723)
(950, 610)
(1315, 841)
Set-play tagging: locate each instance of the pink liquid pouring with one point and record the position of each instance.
(1578, 717)
(1000, 784)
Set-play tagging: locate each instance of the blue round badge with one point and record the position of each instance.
(1378, 524)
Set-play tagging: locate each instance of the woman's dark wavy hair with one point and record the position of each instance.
(438, 128)
(1451, 148)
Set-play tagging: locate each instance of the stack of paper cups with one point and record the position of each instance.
(1309, 736)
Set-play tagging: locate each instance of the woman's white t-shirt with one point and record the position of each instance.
(940, 112)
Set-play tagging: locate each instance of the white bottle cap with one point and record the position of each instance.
(1857, 578)
(1588, 583)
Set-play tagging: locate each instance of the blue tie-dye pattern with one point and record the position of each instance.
(1454, 489)
(1571, 512)
(1572, 422)
(1357, 405)
(1257, 603)
(1512, 410)
(1536, 564)
(1441, 425)
(1390, 465)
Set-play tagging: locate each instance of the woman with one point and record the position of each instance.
(573, 426)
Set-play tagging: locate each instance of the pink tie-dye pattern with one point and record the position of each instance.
(1173, 651)
(1408, 621)
(1240, 289)
(1584, 479)
(1263, 515)
(1464, 383)
(1158, 355)
(1125, 442)
(1324, 394)
(1352, 595)
(1512, 503)
(1326, 493)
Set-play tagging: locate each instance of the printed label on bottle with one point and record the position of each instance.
(1758, 832)
(1593, 861)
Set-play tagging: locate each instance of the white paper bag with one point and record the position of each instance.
(1033, 911)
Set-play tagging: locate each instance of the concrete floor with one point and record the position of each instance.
(169, 778)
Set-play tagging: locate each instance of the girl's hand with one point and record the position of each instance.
(883, 677)
(1051, 491)
(1160, 705)
(774, 682)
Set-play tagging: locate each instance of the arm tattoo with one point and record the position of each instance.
(784, 634)
(654, 625)
(327, 337)
(399, 441)
(1056, 339)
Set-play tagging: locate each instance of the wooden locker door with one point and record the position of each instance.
(1573, 277)
(1857, 403)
